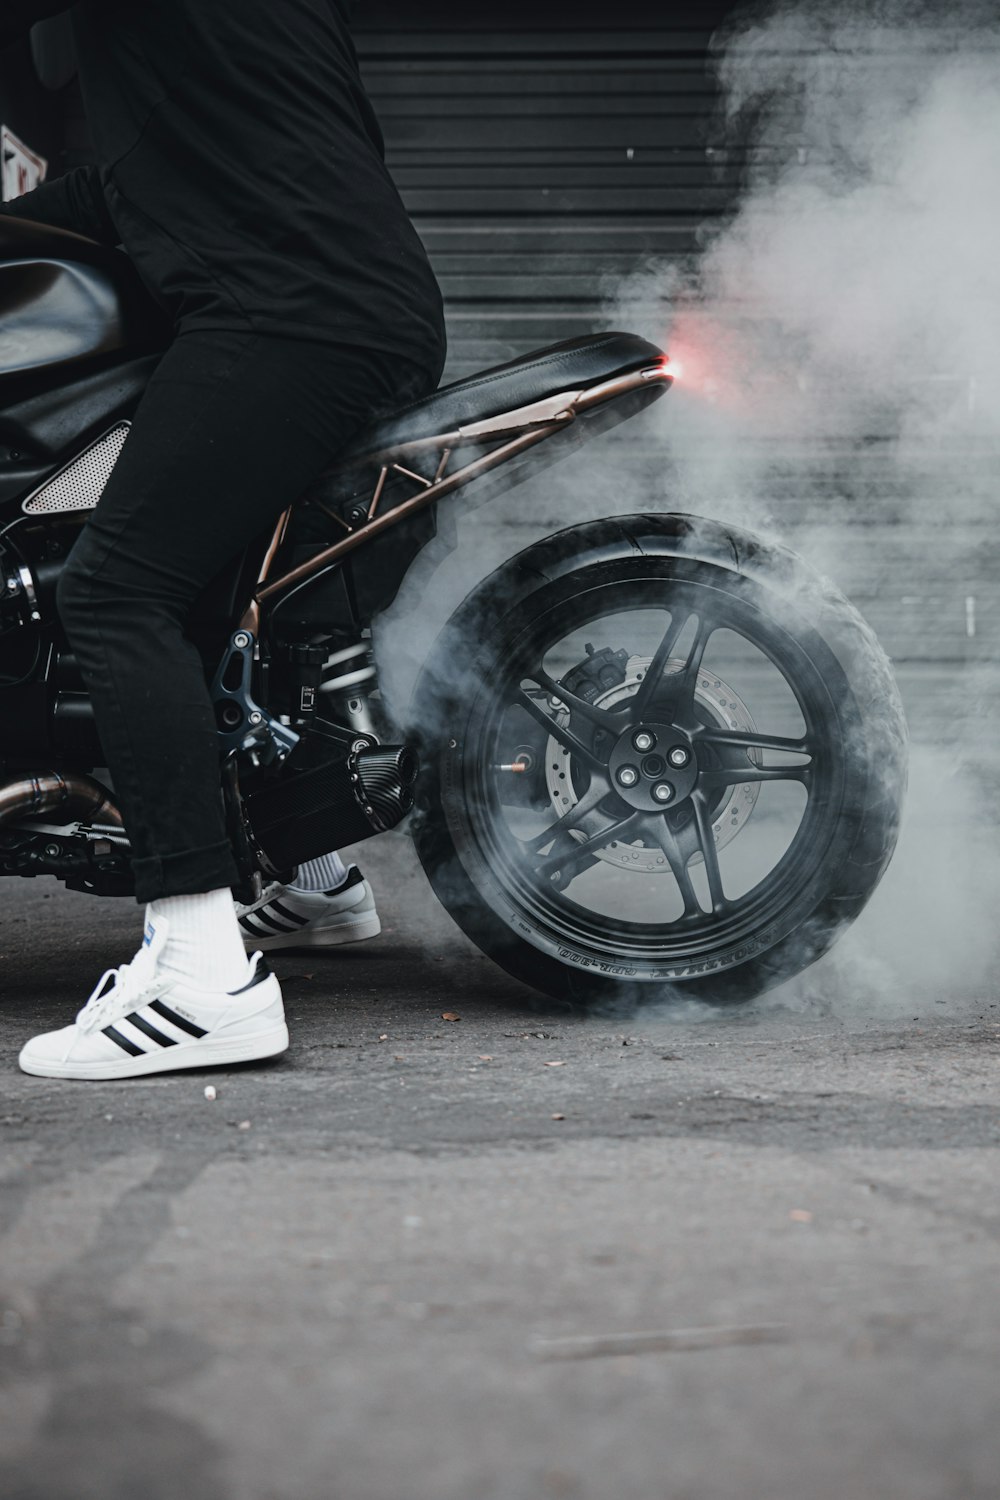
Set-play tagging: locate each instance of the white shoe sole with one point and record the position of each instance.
(207, 1052)
(347, 930)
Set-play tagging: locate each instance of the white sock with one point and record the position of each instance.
(323, 874)
(204, 943)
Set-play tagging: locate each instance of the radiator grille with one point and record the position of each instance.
(81, 483)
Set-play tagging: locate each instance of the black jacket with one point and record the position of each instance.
(242, 168)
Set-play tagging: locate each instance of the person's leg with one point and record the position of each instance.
(232, 429)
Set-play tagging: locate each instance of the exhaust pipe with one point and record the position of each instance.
(75, 799)
(306, 815)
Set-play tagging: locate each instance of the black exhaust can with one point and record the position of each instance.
(344, 802)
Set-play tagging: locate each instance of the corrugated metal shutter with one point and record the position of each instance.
(545, 159)
(542, 160)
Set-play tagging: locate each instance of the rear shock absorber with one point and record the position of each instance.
(349, 677)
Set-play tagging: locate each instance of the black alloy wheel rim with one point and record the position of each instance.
(602, 742)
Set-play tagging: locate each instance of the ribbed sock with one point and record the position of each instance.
(204, 942)
(323, 874)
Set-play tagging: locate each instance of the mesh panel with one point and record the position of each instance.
(80, 485)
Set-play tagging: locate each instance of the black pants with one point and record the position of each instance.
(231, 430)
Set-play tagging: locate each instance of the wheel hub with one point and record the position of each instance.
(653, 767)
(722, 706)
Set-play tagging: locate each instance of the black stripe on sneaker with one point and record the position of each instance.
(175, 1019)
(253, 927)
(123, 1041)
(273, 922)
(156, 1036)
(284, 911)
(261, 973)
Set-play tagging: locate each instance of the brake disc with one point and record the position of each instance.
(726, 710)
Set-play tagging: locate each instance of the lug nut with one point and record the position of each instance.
(643, 741)
(663, 792)
(628, 776)
(679, 756)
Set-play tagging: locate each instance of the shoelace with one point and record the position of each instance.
(130, 986)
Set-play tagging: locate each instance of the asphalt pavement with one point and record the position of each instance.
(462, 1245)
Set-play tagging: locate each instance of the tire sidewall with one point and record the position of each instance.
(820, 622)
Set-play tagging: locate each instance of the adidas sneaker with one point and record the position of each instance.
(142, 1019)
(289, 918)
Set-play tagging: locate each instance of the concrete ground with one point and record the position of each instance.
(430, 1259)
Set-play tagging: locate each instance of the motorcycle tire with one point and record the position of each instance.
(623, 897)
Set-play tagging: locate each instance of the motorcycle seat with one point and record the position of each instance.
(572, 365)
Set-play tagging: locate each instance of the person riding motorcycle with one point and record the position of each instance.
(241, 167)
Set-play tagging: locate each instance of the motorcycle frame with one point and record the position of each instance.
(514, 432)
(365, 475)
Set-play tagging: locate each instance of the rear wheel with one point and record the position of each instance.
(662, 758)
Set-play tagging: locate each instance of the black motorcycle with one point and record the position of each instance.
(658, 756)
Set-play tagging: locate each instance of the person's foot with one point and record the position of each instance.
(143, 1019)
(286, 917)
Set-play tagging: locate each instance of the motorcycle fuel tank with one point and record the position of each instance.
(64, 301)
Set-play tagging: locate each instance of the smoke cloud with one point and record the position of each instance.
(854, 294)
(841, 334)
(839, 390)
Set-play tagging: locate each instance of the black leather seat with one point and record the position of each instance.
(572, 365)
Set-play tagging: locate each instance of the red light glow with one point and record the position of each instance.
(694, 359)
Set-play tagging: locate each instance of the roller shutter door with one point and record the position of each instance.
(543, 159)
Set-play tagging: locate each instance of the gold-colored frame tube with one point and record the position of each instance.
(522, 429)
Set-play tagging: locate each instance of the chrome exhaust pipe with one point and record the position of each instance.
(73, 798)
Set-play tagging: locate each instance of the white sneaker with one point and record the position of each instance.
(289, 918)
(141, 1019)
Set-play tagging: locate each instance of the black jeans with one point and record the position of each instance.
(232, 429)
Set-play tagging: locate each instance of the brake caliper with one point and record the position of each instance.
(598, 673)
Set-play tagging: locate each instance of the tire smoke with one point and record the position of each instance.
(839, 392)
